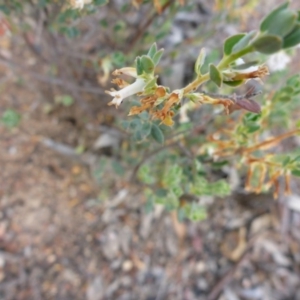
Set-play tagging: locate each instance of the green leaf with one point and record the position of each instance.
(243, 42)
(144, 116)
(286, 161)
(161, 193)
(231, 41)
(293, 80)
(104, 23)
(215, 75)
(100, 2)
(134, 124)
(145, 175)
(296, 172)
(219, 164)
(118, 168)
(118, 58)
(65, 100)
(211, 57)
(5, 9)
(285, 98)
(157, 134)
(195, 212)
(220, 188)
(152, 50)
(71, 32)
(157, 56)
(284, 23)
(68, 14)
(287, 90)
(147, 64)
(138, 135)
(200, 61)
(272, 17)
(139, 68)
(251, 117)
(119, 26)
(149, 205)
(234, 83)
(172, 176)
(293, 38)
(146, 129)
(296, 159)
(10, 118)
(125, 124)
(268, 44)
(177, 191)
(252, 127)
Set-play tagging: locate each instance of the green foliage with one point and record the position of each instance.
(10, 118)
(100, 2)
(65, 100)
(281, 24)
(194, 212)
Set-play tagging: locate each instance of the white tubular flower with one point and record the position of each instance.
(278, 61)
(79, 4)
(127, 91)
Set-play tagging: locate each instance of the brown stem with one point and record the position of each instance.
(271, 142)
(142, 29)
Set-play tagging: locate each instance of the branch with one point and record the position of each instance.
(52, 80)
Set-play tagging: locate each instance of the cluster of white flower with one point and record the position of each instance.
(79, 4)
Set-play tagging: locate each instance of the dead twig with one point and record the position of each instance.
(53, 80)
(143, 28)
(225, 280)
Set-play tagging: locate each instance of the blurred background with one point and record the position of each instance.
(75, 221)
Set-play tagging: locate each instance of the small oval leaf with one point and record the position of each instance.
(285, 98)
(146, 129)
(157, 134)
(157, 56)
(231, 41)
(200, 61)
(293, 38)
(296, 172)
(215, 75)
(243, 42)
(284, 24)
(249, 104)
(152, 50)
(233, 83)
(147, 64)
(268, 44)
(139, 69)
(272, 16)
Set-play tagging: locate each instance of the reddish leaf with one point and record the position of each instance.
(249, 104)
